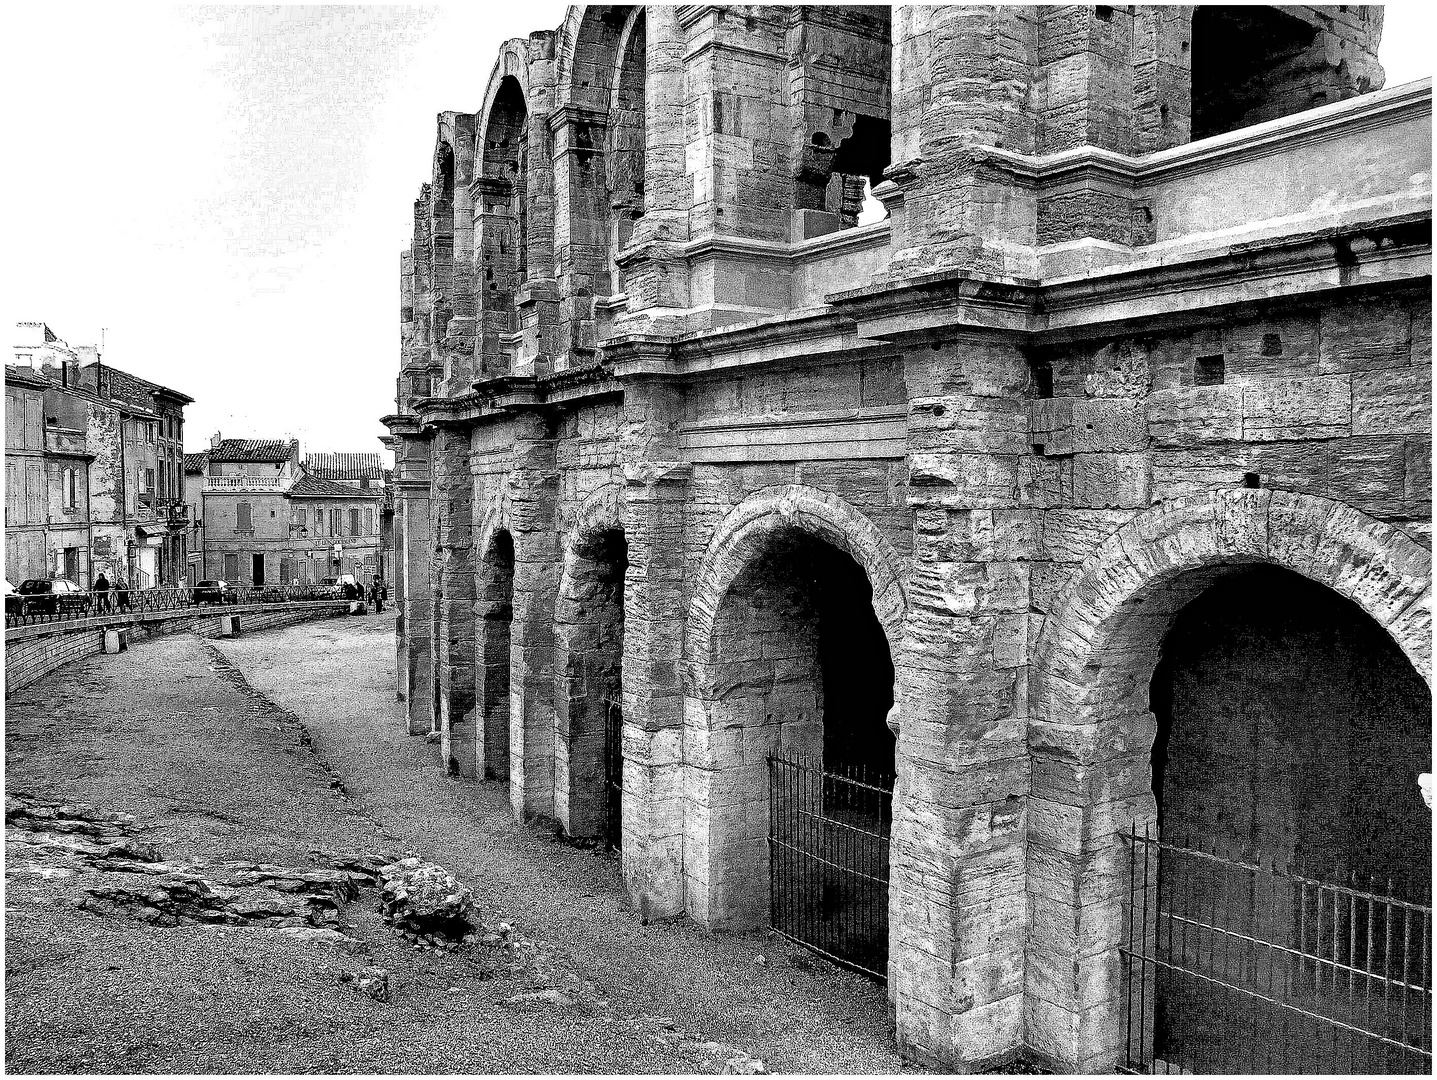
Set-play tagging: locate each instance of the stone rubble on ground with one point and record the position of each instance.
(426, 903)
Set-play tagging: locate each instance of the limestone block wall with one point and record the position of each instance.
(1080, 376)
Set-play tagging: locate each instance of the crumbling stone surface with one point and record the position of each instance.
(1059, 371)
(425, 899)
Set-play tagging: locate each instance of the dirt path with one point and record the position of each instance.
(207, 746)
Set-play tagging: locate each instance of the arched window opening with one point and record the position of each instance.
(441, 238)
(624, 152)
(1252, 64)
(502, 215)
(843, 141)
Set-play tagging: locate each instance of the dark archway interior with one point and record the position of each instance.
(1291, 732)
(591, 627)
(1290, 723)
(810, 605)
(1239, 57)
(496, 611)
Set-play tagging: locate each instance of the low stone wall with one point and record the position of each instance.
(34, 651)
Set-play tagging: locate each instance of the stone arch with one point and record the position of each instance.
(588, 663)
(797, 601)
(501, 219)
(625, 138)
(742, 534)
(586, 53)
(1091, 731)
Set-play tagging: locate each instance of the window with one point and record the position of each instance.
(11, 496)
(334, 522)
(369, 521)
(149, 484)
(150, 434)
(318, 522)
(72, 494)
(243, 522)
(354, 523)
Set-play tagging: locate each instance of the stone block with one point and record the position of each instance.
(1108, 424)
(1396, 401)
(1192, 415)
(229, 626)
(116, 641)
(1110, 480)
(1319, 407)
(1365, 337)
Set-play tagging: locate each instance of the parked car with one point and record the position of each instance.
(213, 591)
(12, 599)
(52, 596)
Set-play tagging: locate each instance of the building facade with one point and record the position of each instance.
(267, 520)
(1087, 489)
(92, 468)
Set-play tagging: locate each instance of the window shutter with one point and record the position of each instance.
(242, 517)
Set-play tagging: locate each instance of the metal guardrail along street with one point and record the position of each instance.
(69, 607)
(1233, 966)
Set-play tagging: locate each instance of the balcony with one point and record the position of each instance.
(247, 483)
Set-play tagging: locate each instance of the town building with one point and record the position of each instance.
(1086, 490)
(92, 468)
(267, 519)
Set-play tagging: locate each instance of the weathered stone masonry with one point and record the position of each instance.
(1140, 315)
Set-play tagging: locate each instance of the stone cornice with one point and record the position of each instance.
(1163, 289)
(1342, 118)
(571, 113)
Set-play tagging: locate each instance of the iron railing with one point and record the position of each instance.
(63, 607)
(828, 860)
(1235, 966)
(614, 770)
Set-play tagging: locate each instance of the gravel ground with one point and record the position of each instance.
(276, 746)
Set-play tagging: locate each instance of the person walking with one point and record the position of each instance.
(102, 592)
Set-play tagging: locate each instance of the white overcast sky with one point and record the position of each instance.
(226, 190)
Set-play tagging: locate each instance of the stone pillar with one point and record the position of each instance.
(418, 606)
(533, 496)
(957, 905)
(397, 594)
(654, 610)
(454, 544)
(954, 68)
(654, 267)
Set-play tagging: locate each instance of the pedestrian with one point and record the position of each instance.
(102, 592)
(122, 590)
(376, 597)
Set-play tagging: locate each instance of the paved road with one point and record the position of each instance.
(203, 742)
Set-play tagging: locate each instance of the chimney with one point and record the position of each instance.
(87, 354)
(215, 441)
(294, 450)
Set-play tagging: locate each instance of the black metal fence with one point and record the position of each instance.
(828, 860)
(1239, 967)
(26, 610)
(614, 770)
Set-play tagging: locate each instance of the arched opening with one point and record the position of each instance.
(1290, 733)
(624, 153)
(589, 667)
(801, 671)
(503, 220)
(495, 611)
(441, 239)
(1252, 64)
(844, 144)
